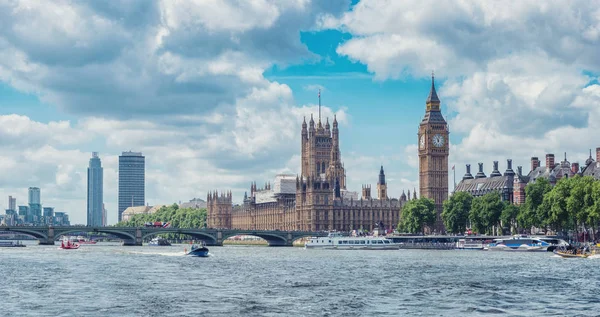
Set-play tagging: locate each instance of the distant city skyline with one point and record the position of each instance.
(215, 99)
(95, 192)
(132, 181)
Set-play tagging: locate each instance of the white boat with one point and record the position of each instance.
(519, 243)
(338, 242)
(469, 244)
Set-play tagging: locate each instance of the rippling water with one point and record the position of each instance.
(111, 280)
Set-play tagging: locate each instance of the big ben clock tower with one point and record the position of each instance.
(433, 155)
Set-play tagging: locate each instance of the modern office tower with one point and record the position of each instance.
(25, 215)
(131, 181)
(95, 198)
(34, 195)
(12, 203)
(35, 205)
(48, 215)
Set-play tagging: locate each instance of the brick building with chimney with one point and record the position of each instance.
(511, 185)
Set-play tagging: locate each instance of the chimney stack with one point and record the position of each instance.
(575, 168)
(468, 173)
(550, 161)
(520, 170)
(509, 171)
(535, 163)
(495, 172)
(480, 174)
(598, 154)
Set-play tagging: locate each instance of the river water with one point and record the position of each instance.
(111, 280)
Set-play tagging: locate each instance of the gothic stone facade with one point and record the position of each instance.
(317, 199)
(433, 155)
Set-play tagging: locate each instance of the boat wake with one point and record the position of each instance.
(157, 253)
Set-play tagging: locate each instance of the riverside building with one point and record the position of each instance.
(132, 170)
(317, 198)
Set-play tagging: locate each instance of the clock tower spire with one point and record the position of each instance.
(433, 154)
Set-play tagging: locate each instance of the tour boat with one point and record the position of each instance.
(198, 250)
(469, 244)
(11, 244)
(84, 240)
(69, 245)
(519, 243)
(158, 241)
(338, 242)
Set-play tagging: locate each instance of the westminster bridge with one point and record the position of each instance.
(134, 236)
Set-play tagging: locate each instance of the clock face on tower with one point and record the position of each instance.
(438, 140)
(422, 142)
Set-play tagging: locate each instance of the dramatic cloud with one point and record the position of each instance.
(399, 38)
(126, 59)
(516, 83)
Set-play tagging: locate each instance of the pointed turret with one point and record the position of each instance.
(311, 125)
(403, 196)
(433, 97)
(590, 160)
(327, 127)
(408, 194)
(381, 176)
(414, 193)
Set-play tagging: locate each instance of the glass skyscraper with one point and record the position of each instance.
(131, 180)
(95, 192)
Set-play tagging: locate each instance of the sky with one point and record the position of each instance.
(214, 92)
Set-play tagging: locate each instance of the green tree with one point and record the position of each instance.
(594, 213)
(456, 212)
(509, 216)
(534, 197)
(486, 211)
(553, 211)
(580, 202)
(416, 215)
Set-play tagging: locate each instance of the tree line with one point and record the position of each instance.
(573, 204)
(178, 217)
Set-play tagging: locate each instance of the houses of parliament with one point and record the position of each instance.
(317, 199)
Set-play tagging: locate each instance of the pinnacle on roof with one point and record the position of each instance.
(590, 160)
(433, 97)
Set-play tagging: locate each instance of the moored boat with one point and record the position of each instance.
(68, 245)
(518, 243)
(11, 244)
(198, 250)
(338, 242)
(158, 241)
(469, 244)
(84, 240)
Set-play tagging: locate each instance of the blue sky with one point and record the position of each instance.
(213, 93)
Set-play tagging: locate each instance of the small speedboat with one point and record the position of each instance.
(574, 252)
(198, 250)
(69, 245)
(11, 244)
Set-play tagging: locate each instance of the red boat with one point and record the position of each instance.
(68, 245)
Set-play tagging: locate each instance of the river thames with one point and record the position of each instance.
(111, 280)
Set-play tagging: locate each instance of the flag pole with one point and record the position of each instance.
(454, 172)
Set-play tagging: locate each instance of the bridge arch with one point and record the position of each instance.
(205, 236)
(123, 235)
(273, 239)
(34, 233)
